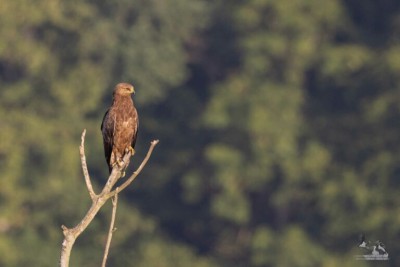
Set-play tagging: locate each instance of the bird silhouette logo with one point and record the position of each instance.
(372, 250)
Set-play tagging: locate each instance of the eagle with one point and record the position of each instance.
(120, 126)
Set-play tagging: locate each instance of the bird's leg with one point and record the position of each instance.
(119, 162)
(123, 170)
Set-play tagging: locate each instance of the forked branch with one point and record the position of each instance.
(135, 173)
(71, 234)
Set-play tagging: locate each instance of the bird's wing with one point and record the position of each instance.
(107, 129)
(135, 127)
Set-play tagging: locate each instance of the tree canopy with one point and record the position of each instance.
(277, 120)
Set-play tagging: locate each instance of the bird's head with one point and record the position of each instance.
(124, 89)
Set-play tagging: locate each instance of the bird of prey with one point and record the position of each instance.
(120, 126)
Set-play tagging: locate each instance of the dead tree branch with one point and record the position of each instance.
(85, 168)
(111, 229)
(135, 173)
(71, 234)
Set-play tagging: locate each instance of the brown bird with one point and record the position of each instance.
(120, 126)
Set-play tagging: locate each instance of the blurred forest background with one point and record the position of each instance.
(278, 123)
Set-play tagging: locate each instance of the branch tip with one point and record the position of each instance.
(85, 168)
(65, 230)
(155, 142)
(83, 137)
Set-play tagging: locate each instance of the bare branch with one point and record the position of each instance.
(111, 230)
(116, 174)
(135, 173)
(85, 168)
(71, 234)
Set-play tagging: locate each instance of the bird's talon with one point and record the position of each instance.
(132, 150)
(120, 163)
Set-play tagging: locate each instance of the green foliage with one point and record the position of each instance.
(278, 123)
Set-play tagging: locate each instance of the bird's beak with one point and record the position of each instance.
(132, 90)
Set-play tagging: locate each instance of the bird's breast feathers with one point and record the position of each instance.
(127, 123)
